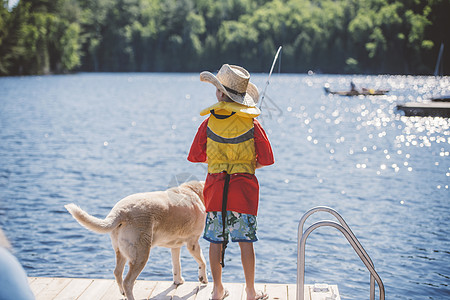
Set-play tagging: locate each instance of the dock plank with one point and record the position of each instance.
(277, 291)
(236, 291)
(162, 290)
(186, 291)
(142, 289)
(204, 292)
(96, 289)
(292, 292)
(53, 289)
(106, 289)
(113, 292)
(74, 289)
(39, 284)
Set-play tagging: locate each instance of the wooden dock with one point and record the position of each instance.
(45, 288)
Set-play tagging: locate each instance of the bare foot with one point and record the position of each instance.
(216, 295)
(260, 295)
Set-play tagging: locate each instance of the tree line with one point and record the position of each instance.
(329, 36)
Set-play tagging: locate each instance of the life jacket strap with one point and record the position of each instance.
(250, 134)
(221, 117)
(224, 216)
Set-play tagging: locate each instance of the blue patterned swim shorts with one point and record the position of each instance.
(241, 227)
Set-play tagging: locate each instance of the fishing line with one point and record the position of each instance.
(270, 73)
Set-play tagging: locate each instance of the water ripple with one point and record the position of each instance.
(93, 139)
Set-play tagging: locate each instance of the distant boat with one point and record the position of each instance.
(444, 98)
(363, 92)
(437, 106)
(426, 109)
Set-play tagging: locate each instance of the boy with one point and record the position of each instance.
(233, 144)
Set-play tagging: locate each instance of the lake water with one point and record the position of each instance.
(93, 139)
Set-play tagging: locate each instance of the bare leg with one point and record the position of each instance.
(248, 264)
(215, 255)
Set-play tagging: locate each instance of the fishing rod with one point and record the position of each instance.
(270, 73)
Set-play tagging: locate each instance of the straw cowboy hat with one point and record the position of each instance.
(234, 81)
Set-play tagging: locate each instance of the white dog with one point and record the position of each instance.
(139, 222)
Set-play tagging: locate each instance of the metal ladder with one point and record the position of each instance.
(346, 231)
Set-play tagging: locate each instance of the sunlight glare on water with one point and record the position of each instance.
(93, 139)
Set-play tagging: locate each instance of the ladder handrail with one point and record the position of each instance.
(345, 225)
(337, 216)
(344, 229)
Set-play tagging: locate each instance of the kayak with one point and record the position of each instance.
(363, 92)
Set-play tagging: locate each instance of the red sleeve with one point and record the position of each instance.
(198, 147)
(264, 154)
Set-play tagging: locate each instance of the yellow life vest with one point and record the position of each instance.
(230, 142)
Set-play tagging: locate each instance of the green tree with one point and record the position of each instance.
(333, 36)
(5, 47)
(38, 40)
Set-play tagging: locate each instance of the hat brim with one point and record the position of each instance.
(250, 98)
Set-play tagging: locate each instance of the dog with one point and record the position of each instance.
(139, 222)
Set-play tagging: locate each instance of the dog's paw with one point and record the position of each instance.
(203, 279)
(178, 281)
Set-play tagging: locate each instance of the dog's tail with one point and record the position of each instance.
(91, 222)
